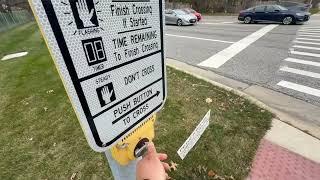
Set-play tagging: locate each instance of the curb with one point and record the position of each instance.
(277, 114)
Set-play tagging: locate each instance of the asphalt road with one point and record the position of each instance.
(270, 55)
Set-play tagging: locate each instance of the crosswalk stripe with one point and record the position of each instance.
(300, 72)
(310, 30)
(300, 61)
(311, 27)
(305, 53)
(308, 39)
(226, 54)
(306, 47)
(300, 88)
(307, 35)
(305, 42)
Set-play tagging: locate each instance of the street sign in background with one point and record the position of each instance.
(110, 56)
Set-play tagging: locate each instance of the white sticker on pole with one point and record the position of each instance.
(194, 137)
(110, 56)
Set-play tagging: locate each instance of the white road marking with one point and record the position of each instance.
(305, 53)
(310, 30)
(300, 72)
(15, 55)
(306, 47)
(308, 39)
(223, 56)
(300, 61)
(307, 35)
(217, 22)
(304, 42)
(311, 27)
(300, 88)
(211, 20)
(229, 22)
(197, 38)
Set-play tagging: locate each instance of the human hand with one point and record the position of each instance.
(150, 166)
(84, 14)
(106, 95)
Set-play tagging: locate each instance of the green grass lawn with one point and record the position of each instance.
(314, 10)
(42, 139)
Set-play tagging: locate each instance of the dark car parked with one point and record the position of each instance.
(273, 13)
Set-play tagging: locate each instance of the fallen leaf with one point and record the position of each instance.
(50, 91)
(204, 168)
(230, 177)
(45, 109)
(211, 173)
(219, 177)
(30, 139)
(208, 100)
(24, 102)
(173, 165)
(73, 176)
(199, 168)
(54, 144)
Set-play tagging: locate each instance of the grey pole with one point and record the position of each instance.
(120, 172)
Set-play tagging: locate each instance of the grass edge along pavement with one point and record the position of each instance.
(314, 10)
(42, 139)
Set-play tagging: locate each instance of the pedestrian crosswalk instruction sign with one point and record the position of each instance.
(110, 56)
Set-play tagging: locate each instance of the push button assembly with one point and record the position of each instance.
(134, 145)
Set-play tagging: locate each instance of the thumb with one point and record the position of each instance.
(110, 93)
(152, 152)
(91, 13)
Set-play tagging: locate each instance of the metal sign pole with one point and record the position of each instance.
(127, 172)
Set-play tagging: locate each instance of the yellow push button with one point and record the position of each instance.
(133, 145)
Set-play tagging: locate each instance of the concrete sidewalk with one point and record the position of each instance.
(286, 151)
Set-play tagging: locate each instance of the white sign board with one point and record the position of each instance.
(110, 56)
(194, 137)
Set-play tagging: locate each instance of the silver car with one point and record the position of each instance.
(179, 17)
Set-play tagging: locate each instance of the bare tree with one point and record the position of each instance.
(9, 5)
